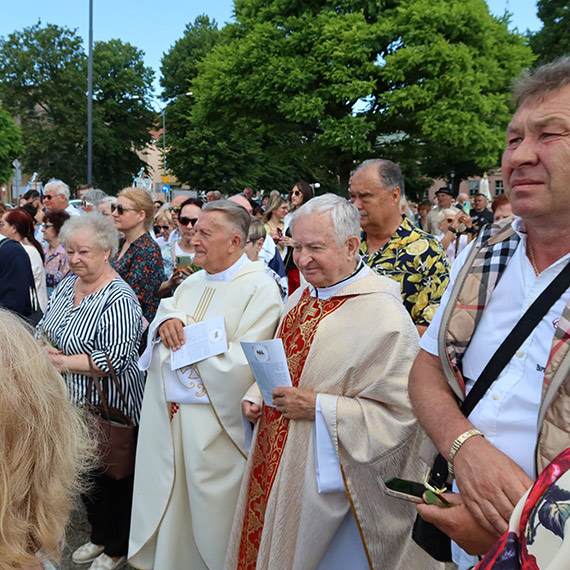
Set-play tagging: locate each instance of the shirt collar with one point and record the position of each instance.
(325, 293)
(229, 273)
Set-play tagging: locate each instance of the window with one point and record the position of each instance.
(499, 188)
(473, 187)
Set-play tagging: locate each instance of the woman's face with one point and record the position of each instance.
(445, 223)
(281, 212)
(190, 214)
(126, 216)
(48, 229)
(86, 259)
(296, 197)
(162, 228)
(8, 229)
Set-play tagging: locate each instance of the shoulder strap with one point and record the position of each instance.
(516, 337)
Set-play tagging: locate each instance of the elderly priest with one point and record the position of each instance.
(191, 450)
(310, 496)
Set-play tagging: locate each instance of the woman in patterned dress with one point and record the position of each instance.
(138, 261)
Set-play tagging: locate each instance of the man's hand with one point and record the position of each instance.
(490, 483)
(295, 403)
(458, 523)
(172, 333)
(251, 411)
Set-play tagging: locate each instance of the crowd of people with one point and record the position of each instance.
(395, 320)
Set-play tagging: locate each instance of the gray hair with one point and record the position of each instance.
(451, 212)
(95, 196)
(238, 217)
(543, 80)
(389, 172)
(345, 216)
(109, 200)
(102, 229)
(59, 187)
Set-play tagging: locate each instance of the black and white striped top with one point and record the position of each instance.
(107, 322)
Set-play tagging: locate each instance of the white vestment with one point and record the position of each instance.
(190, 457)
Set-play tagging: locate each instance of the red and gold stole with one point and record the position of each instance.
(297, 332)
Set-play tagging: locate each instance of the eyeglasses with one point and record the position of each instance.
(184, 221)
(121, 209)
(175, 209)
(158, 228)
(46, 226)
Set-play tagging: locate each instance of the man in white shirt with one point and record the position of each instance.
(520, 424)
(346, 423)
(56, 197)
(191, 447)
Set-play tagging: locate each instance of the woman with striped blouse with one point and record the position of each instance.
(94, 314)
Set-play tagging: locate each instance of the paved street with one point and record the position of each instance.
(77, 534)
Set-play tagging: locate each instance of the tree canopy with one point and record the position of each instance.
(43, 82)
(10, 145)
(308, 89)
(553, 39)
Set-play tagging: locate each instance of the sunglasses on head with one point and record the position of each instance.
(121, 209)
(184, 221)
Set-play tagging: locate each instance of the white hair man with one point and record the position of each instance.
(521, 421)
(348, 412)
(191, 447)
(56, 197)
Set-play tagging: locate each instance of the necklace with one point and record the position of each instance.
(531, 257)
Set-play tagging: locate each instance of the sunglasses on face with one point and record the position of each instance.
(158, 228)
(121, 209)
(175, 209)
(48, 197)
(86, 204)
(184, 221)
(296, 193)
(46, 226)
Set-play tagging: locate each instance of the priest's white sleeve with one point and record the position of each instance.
(329, 476)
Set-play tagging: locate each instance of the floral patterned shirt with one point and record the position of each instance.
(142, 268)
(416, 260)
(57, 267)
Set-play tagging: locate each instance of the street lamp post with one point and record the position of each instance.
(90, 99)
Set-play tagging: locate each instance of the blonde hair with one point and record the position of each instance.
(274, 203)
(142, 201)
(164, 214)
(44, 445)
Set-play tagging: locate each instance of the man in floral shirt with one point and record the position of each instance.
(392, 245)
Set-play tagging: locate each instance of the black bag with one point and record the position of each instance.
(426, 535)
(114, 430)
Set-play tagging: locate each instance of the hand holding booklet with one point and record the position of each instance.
(203, 340)
(269, 366)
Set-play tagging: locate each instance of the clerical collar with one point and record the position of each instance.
(229, 273)
(325, 293)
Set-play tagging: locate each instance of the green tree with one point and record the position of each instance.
(121, 119)
(43, 82)
(10, 145)
(318, 86)
(553, 39)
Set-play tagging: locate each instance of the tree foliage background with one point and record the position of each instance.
(553, 39)
(307, 89)
(43, 83)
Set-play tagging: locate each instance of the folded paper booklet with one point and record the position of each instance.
(203, 340)
(269, 366)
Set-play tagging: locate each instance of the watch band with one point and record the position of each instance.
(456, 446)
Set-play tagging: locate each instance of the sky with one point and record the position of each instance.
(154, 26)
